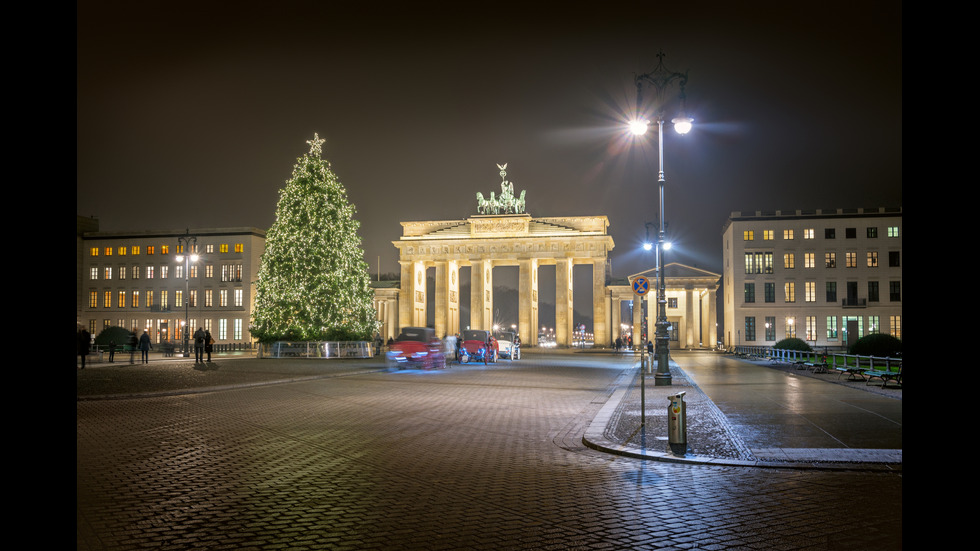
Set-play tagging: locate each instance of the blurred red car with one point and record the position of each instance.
(474, 347)
(416, 347)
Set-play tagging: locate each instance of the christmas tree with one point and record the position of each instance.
(313, 282)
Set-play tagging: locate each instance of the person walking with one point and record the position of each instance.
(199, 346)
(84, 343)
(112, 350)
(145, 347)
(208, 343)
(133, 344)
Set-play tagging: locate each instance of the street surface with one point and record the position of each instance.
(471, 457)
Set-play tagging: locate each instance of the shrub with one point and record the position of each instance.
(117, 334)
(876, 345)
(793, 344)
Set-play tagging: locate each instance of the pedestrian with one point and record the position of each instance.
(199, 345)
(650, 347)
(208, 343)
(84, 342)
(133, 344)
(112, 350)
(145, 347)
(619, 343)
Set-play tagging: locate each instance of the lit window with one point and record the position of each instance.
(93, 273)
(108, 272)
(122, 272)
(121, 300)
(789, 291)
(239, 247)
(236, 272)
(150, 249)
(209, 271)
(851, 260)
(164, 249)
(193, 298)
(223, 297)
(808, 233)
(830, 260)
(136, 272)
(164, 303)
(748, 235)
(134, 250)
(767, 263)
(136, 299)
(874, 324)
(193, 271)
(178, 298)
(811, 328)
(209, 248)
(788, 234)
(94, 251)
(790, 328)
(208, 300)
(895, 326)
(831, 328)
(163, 271)
(892, 231)
(789, 261)
(768, 235)
(222, 329)
(108, 251)
(149, 299)
(810, 288)
(872, 259)
(238, 297)
(223, 248)
(238, 329)
(122, 251)
(93, 299)
(179, 271)
(107, 299)
(225, 273)
(809, 260)
(149, 272)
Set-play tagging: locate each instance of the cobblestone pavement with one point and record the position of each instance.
(465, 458)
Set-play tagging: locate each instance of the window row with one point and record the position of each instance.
(850, 297)
(161, 299)
(810, 331)
(871, 232)
(136, 250)
(166, 330)
(762, 262)
(228, 272)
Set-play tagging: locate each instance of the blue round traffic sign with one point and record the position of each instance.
(641, 285)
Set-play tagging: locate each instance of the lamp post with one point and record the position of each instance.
(660, 79)
(186, 244)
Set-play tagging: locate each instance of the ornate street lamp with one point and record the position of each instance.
(660, 79)
(186, 245)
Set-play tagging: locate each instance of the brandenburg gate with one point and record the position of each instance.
(502, 235)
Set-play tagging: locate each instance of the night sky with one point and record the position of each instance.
(192, 114)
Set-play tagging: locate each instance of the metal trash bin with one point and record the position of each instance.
(677, 423)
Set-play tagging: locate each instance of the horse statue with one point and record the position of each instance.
(482, 205)
(519, 203)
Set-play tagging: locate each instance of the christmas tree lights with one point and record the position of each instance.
(313, 281)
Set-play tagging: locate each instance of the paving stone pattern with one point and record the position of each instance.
(465, 458)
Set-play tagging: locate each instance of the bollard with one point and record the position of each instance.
(677, 424)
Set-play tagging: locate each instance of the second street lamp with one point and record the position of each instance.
(186, 245)
(660, 79)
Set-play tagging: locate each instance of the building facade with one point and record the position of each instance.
(140, 281)
(827, 276)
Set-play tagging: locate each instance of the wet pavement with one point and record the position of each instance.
(538, 453)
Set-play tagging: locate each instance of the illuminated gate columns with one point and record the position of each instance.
(483, 242)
